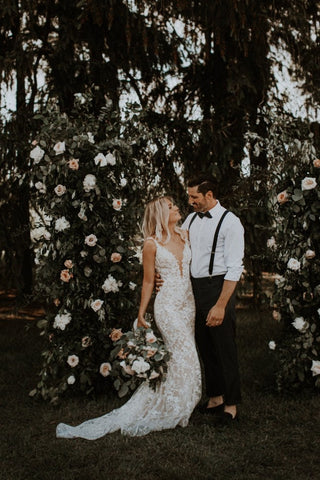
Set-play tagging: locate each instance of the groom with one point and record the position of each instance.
(217, 246)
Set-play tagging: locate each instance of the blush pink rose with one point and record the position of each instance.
(105, 369)
(65, 276)
(73, 164)
(316, 163)
(283, 197)
(68, 264)
(116, 257)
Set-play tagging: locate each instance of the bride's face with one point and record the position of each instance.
(174, 214)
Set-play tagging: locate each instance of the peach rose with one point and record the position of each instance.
(121, 354)
(74, 164)
(283, 197)
(116, 257)
(68, 264)
(150, 337)
(151, 352)
(316, 163)
(116, 334)
(65, 276)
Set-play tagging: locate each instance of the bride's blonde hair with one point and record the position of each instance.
(156, 219)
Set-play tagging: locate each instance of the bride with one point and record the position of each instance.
(166, 250)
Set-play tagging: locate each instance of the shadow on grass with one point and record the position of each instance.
(277, 436)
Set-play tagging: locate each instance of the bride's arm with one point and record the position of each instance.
(148, 261)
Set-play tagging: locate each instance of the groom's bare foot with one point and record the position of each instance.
(215, 402)
(231, 409)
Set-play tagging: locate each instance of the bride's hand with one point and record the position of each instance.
(142, 322)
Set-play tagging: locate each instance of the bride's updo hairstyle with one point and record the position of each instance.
(156, 220)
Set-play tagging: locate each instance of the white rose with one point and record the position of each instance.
(140, 366)
(271, 242)
(73, 360)
(61, 320)
(111, 285)
(117, 204)
(105, 369)
(293, 264)
(59, 148)
(96, 305)
(61, 224)
(123, 182)
(60, 190)
(132, 285)
(315, 368)
(150, 337)
(101, 160)
(308, 183)
(90, 240)
(36, 154)
(89, 182)
(300, 324)
(41, 187)
(310, 254)
(272, 345)
(111, 159)
(71, 380)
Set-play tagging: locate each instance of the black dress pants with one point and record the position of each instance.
(217, 346)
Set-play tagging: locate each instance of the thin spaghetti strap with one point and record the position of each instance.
(151, 238)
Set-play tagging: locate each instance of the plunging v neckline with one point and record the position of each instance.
(179, 262)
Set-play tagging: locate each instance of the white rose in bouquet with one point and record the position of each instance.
(59, 148)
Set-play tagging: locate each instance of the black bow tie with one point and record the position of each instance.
(205, 214)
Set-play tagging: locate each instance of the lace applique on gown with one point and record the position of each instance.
(173, 401)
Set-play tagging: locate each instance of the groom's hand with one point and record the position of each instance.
(215, 316)
(158, 281)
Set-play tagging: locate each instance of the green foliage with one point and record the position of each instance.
(88, 197)
(295, 198)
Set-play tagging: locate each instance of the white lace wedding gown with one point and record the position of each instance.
(173, 401)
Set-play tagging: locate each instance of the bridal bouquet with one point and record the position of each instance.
(138, 356)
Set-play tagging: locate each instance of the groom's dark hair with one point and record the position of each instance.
(205, 183)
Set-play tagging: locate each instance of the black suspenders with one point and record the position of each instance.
(215, 239)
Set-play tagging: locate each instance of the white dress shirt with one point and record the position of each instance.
(230, 244)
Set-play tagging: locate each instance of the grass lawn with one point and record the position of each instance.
(278, 437)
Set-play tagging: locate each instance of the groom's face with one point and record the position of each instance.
(199, 202)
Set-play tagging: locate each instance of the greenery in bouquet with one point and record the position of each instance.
(88, 177)
(138, 355)
(295, 249)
